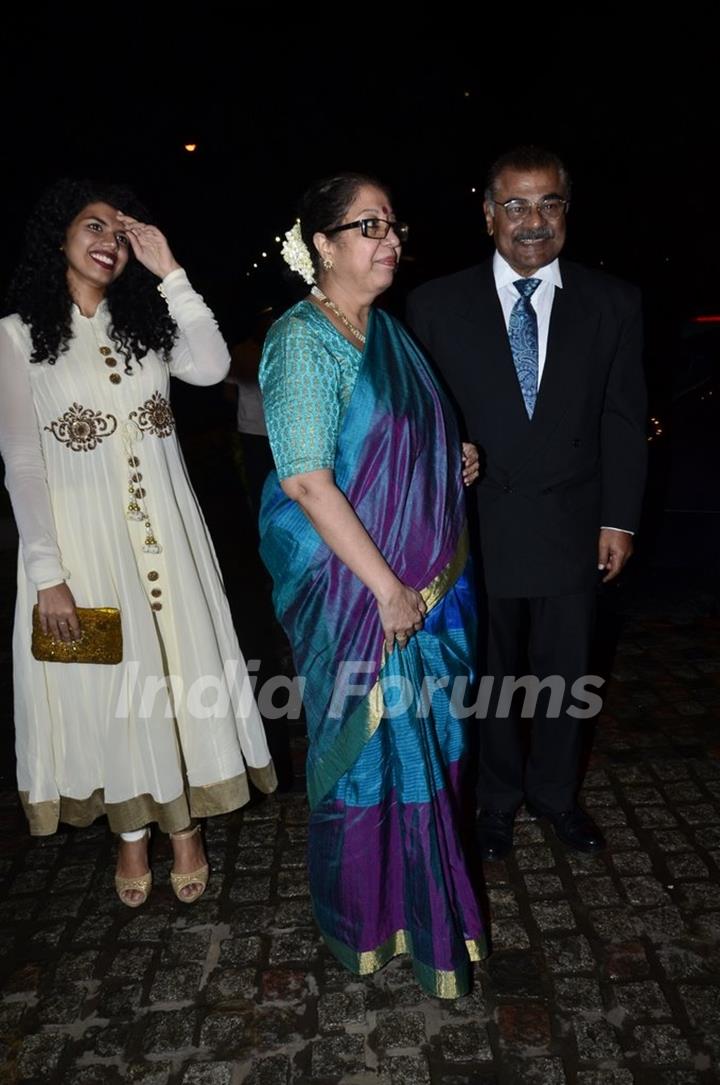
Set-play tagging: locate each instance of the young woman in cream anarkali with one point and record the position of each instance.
(103, 316)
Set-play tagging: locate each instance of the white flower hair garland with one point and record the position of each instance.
(296, 256)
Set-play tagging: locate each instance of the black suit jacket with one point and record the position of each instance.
(548, 484)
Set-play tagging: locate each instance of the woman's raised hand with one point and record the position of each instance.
(149, 246)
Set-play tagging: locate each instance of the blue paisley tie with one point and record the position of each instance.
(523, 335)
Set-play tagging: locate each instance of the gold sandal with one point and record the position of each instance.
(195, 877)
(142, 884)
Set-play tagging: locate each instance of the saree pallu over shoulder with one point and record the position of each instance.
(398, 464)
(386, 869)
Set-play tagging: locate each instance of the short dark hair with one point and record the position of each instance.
(323, 205)
(526, 157)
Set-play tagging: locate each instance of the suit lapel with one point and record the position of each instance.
(491, 347)
(486, 344)
(570, 332)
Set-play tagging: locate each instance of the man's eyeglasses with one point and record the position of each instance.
(377, 229)
(518, 210)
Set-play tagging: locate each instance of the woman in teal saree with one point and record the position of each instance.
(363, 530)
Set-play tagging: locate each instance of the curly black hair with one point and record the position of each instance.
(139, 320)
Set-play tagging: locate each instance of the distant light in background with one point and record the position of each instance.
(657, 428)
(190, 147)
(706, 319)
(264, 255)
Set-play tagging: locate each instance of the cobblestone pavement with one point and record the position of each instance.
(604, 969)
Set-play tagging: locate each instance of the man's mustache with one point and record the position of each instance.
(540, 233)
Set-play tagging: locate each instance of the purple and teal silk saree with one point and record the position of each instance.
(386, 754)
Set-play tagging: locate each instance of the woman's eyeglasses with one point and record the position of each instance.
(377, 229)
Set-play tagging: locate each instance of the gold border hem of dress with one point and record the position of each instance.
(441, 983)
(123, 817)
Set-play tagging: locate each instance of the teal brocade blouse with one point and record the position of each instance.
(307, 375)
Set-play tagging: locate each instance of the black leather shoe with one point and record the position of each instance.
(574, 827)
(495, 833)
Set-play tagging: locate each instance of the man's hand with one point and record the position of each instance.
(471, 463)
(614, 549)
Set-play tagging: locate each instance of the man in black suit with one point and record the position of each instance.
(543, 359)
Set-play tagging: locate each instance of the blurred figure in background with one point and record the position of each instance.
(245, 361)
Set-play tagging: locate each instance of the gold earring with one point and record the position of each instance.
(327, 263)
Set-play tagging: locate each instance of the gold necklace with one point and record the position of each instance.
(352, 328)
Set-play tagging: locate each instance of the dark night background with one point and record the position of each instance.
(635, 120)
(628, 97)
(638, 129)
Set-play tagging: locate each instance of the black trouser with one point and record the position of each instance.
(540, 637)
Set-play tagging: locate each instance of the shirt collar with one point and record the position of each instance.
(102, 311)
(505, 276)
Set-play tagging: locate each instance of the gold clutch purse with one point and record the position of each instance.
(100, 638)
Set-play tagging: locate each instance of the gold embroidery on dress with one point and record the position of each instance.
(155, 416)
(82, 428)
